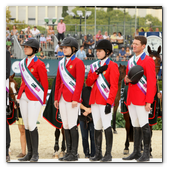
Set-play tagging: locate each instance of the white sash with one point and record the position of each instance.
(7, 85)
(34, 86)
(7, 89)
(142, 83)
(101, 82)
(68, 80)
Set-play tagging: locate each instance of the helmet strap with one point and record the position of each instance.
(105, 55)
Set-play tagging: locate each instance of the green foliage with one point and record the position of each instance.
(65, 8)
(120, 122)
(158, 126)
(107, 20)
(160, 85)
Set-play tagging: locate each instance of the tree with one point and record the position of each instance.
(8, 16)
(65, 8)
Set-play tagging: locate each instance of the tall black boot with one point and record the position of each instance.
(109, 140)
(28, 156)
(34, 141)
(147, 141)
(98, 145)
(137, 136)
(73, 156)
(68, 144)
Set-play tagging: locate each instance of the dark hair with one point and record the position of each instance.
(120, 33)
(81, 46)
(142, 39)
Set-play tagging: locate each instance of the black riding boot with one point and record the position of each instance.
(109, 141)
(98, 145)
(73, 156)
(147, 141)
(68, 144)
(137, 132)
(34, 141)
(28, 156)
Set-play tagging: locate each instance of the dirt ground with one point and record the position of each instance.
(47, 139)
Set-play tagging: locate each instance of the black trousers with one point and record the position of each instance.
(8, 139)
(60, 36)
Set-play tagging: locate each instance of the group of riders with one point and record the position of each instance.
(103, 78)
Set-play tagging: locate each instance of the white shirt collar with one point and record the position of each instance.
(103, 61)
(67, 60)
(137, 57)
(29, 60)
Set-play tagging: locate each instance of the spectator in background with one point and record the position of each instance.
(142, 30)
(85, 42)
(28, 32)
(50, 31)
(39, 51)
(61, 28)
(120, 38)
(60, 52)
(14, 31)
(35, 32)
(150, 29)
(8, 44)
(42, 56)
(92, 42)
(157, 30)
(43, 41)
(128, 53)
(117, 58)
(113, 38)
(21, 37)
(56, 48)
(49, 39)
(105, 36)
(99, 36)
(7, 33)
(90, 54)
(122, 53)
(81, 53)
(136, 33)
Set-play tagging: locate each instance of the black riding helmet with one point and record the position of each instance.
(32, 43)
(105, 45)
(70, 42)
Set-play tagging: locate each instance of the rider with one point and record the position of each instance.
(69, 84)
(139, 99)
(32, 95)
(104, 76)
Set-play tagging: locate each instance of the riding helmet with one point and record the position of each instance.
(135, 73)
(70, 42)
(104, 44)
(32, 42)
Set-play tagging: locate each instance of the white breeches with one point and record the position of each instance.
(100, 119)
(68, 114)
(29, 111)
(138, 115)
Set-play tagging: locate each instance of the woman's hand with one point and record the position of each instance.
(56, 104)
(74, 104)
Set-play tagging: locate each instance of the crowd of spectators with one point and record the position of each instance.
(121, 50)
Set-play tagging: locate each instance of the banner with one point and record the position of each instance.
(52, 65)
